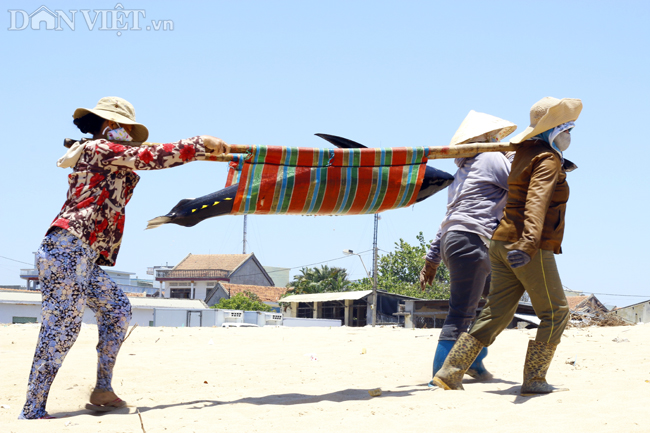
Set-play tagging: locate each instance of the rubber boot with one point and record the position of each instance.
(460, 357)
(477, 370)
(442, 350)
(538, 359)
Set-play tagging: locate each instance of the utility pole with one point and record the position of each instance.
(245, 216)
(374, 273)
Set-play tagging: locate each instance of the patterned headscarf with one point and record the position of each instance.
(550, 134)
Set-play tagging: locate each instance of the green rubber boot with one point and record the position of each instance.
(460, 357)
(538, 360)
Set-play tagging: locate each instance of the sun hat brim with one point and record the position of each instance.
(139, 132)
(565, 110)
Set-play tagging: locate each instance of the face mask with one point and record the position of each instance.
(562, 141)
(118, 134)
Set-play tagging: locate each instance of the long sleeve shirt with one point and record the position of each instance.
(534, 215)
(476, 198)
(102, 184)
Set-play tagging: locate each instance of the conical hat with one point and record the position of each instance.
(548, 113)
(477, 124)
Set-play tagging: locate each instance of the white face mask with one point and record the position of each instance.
(118, 134)
(563, 140)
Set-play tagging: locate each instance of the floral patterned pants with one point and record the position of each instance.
(69, 280)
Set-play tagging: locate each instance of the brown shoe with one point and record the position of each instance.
(460, 358)
(538, 360)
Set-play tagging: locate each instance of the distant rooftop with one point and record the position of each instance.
(265, 293)
(228, 262)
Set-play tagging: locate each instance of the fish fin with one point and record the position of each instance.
(341, 142)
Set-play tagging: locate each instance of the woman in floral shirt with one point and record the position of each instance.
(87, 233)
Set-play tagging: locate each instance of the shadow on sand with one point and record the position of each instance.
(274, 399)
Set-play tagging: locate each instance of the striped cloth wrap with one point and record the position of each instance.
(312, 181)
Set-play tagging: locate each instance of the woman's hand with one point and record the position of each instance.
(215, 145)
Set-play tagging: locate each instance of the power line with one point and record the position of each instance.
(325, 261)
(605, 294)
(612, 294)
(13, 260)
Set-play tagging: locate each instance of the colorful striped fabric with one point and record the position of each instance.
(311, 181)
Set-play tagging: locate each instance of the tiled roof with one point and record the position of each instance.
(6, 289)
(266, 293)
(228, 262)
(574, 301)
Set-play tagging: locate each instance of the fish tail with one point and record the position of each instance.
(157, 222)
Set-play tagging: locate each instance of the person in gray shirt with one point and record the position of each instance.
(476, 199)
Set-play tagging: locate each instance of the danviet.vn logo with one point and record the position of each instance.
(117, 20)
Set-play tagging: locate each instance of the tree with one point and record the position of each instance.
(315, 280)
(247, 301)
(399, 272)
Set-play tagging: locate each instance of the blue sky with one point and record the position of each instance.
(384, 73)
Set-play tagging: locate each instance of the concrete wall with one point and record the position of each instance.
(141, 316)
(178, 317)
(220, 294)
(310, 323)
(200, 290)
(250, 274)
(8, 311)
(635, 313)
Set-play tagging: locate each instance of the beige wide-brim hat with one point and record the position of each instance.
(477, 124)
(118, 110)
(548, 113)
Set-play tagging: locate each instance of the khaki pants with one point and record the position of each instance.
(540, 279)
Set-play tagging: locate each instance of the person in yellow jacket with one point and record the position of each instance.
(523, 247)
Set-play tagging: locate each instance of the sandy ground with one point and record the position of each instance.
(317, 379)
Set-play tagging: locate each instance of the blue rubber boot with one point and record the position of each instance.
(442, 350)
(477, 370)
(444, 346)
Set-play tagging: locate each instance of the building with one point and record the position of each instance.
(24, 306)
(270, 295)
(586, 305)
(431, 313)
(635, 313)
(279, 275)
(197, 275)
(352, 308)
(124, 280)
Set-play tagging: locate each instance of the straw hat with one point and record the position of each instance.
(477, 124)
(118, 110)
(548, 113)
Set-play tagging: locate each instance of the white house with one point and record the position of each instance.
(24, 306)
(196, 276)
